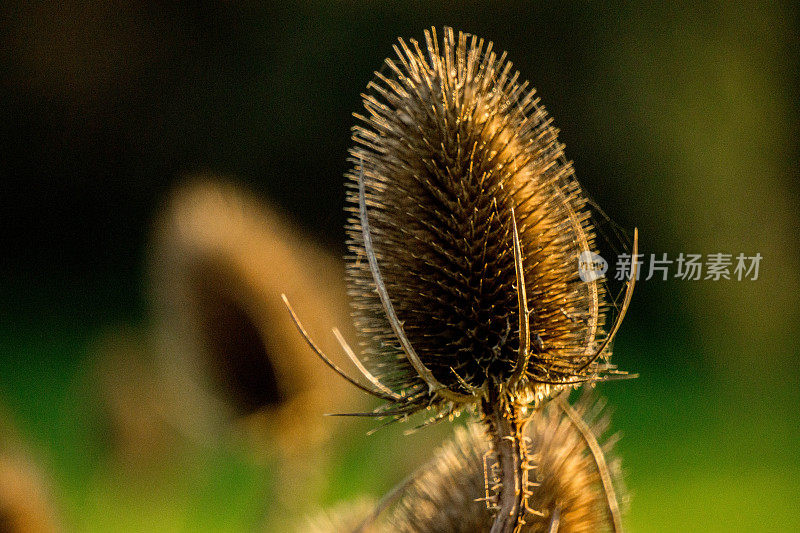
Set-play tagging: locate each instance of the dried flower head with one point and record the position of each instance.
(572, 490)
(220, 258)
(467, 222)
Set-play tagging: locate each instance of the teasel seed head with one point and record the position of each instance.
(220, 257)
(568, 491)
(228, 360)
(466, 224)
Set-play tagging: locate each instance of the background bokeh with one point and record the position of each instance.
(681, 120)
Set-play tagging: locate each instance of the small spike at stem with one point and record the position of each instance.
(375, 414)
(472, 390)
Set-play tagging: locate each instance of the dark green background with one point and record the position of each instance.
(682, 121)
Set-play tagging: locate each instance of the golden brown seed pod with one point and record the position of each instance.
(220, 260)
(468, 221)
(568, 492)
(467, 225)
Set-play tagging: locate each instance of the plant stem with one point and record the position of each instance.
(505, 428)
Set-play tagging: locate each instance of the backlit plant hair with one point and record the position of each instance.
(574, 489)
(467, 222)
(576, 481)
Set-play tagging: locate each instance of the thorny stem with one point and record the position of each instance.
(506, 430)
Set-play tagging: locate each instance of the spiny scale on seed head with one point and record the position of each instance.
(452, 150)
(568, 486)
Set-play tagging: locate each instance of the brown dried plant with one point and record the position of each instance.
(466, 225)
(229, 358)
(575, 475)
(219, 261)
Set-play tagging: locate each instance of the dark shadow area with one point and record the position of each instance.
(238, 353)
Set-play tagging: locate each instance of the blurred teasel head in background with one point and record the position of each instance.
(220, 258)
(231, 362)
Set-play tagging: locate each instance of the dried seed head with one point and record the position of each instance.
(453, 158)
(220, 259)
(567, 488)
(229, 356)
